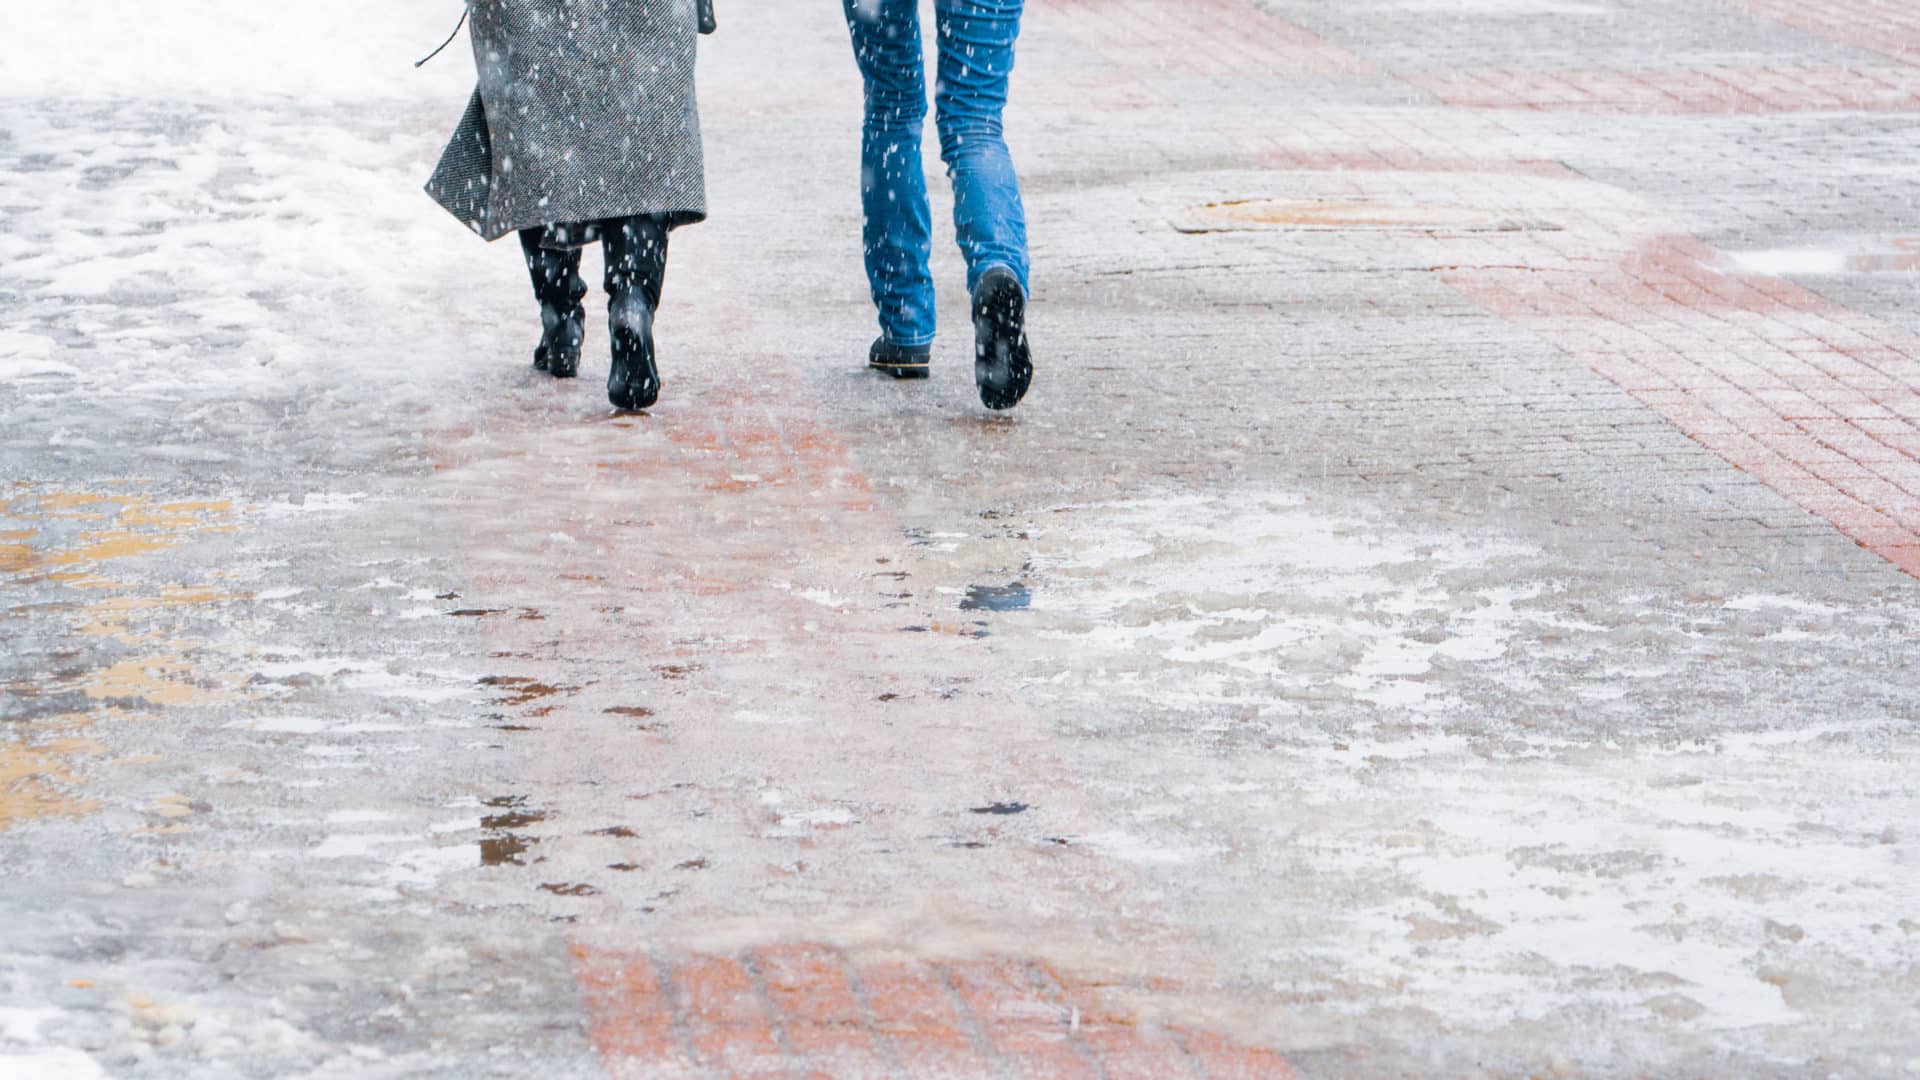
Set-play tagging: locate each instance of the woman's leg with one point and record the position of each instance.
(558, 287)
(636, 250)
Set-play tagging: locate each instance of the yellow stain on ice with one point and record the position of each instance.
(15, 558)
(157, 680)
(99, 546)
(171, 806)
(134, 526)
(56, 502)
(38, 778)
(114, 616)
(176, 516)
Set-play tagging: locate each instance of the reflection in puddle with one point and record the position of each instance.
(507, 848)
(971, 630)
(520, 690)
(1013, 597)
(504, 850)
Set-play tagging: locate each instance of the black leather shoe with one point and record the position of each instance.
(901, 361)
(1002, 362)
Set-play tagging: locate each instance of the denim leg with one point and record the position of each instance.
(976, 58)
(893, 185)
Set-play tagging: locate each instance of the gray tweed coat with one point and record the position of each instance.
(585, 110)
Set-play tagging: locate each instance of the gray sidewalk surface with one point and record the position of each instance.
(1445, 608)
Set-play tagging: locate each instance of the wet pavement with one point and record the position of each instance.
(1447, 605)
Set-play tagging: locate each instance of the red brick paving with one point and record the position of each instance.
(1783, 89)
(1819, 402)
(812, 1010)
(1888, 27)
(1208, 37)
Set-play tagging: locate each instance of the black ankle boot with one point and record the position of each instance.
(563, 320)
(561, 334)
(636, 270)
(900, 361)
(1002, 362)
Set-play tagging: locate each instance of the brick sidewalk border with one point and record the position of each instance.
(813, 1010)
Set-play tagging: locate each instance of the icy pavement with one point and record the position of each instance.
(1376, 647)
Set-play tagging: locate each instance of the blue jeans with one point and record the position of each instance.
(976, 39)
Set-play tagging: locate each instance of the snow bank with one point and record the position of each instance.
(342, 49)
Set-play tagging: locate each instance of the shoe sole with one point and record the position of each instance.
(1002, 362)
(920, 370)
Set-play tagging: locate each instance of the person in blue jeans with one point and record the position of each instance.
(976, 39)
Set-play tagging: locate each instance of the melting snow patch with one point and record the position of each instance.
(1211, 600)
(24, 356)
(750, 716)
(51, 1065)
(1134, 849)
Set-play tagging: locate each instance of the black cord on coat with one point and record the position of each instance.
(449, 41)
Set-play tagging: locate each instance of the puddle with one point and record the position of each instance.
(507, 848)
(971, 630)
(519, 690)
(636, 712)
(1815, 262)
(1014, 597)
(1344, 214)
